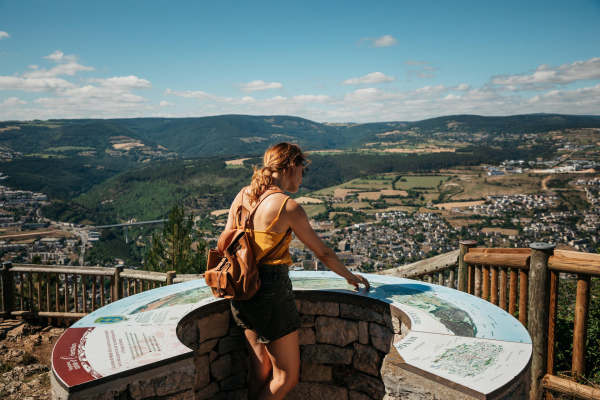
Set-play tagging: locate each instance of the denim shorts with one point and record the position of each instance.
(272, 311)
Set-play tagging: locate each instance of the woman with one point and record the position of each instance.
(270, 318)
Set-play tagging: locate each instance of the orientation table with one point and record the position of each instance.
(453, 335)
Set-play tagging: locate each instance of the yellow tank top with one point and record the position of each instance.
(263, 241)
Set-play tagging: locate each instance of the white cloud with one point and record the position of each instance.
(164, 104)
(424, 75)
(13, 102)
(70, 69)
(188, 94)
(33, 66)
(4, 35)
(258, 85)
(414, 63)
(59, 57)
(374, 77)
(461, 87)
(33, 84)
(130, 82)
(383, 41)
(545, 74)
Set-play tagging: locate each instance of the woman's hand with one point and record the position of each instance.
(358, 279)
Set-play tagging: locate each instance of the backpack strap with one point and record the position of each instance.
(251, 212)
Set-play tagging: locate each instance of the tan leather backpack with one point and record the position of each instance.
(232, 270)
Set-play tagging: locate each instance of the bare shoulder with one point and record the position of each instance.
(294, 209)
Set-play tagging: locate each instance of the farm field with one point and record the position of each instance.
(313, 209)
(420, 181)
(217, 213)
(307, 200)
(239, 161)
(385, 192)
(501, 231)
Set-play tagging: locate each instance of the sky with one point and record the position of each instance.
(327, 61)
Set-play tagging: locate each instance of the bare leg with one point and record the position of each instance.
(260, 365)
(285, 359)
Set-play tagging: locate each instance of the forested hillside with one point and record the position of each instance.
(68, 137)
(475, 124)
(207, 184)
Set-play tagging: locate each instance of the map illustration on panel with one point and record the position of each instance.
(468, 359)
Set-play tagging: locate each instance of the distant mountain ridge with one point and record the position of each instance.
(245, 134)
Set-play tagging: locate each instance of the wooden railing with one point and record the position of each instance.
(69, 293)
(524, 282)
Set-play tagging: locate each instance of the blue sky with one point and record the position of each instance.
(327, 61)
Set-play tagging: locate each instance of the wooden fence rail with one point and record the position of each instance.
(69, 293)
(530, 278)
(524, 282)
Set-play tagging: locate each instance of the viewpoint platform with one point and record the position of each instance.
(454, 337)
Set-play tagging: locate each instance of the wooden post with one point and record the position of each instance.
(429, 279)
(8, 294)
(451, 278)
(478, 281)
(485, 290)
(171, 275)
(494, 288)
(39, 290)
(102, 300)
(94, 279)
(512, 297)
(552, 314)
(463, 268)
(76, 293)
(523, 296)
(117, 284)
(582, 308)
(48, 292)
(471, 285)
(66, 294)
(57, 296)
(503, 287)
(441, 278)
(30, 281)
(539, 303)
(48, 302)
(113, 289)
(21, 291)
(84, 293)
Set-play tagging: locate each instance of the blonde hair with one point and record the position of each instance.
(279, 158)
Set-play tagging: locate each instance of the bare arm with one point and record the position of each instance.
(298, 221)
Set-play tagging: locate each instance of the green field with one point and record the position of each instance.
(41, 155)
(69, 148)
(420, 181)
(313, 209)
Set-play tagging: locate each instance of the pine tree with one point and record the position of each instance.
(172, 251)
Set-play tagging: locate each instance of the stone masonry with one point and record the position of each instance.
(342, 348)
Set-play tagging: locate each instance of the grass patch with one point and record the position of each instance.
(313, 209)
(28, 358)
(419, 181)
(69, 148)
(6, 367)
